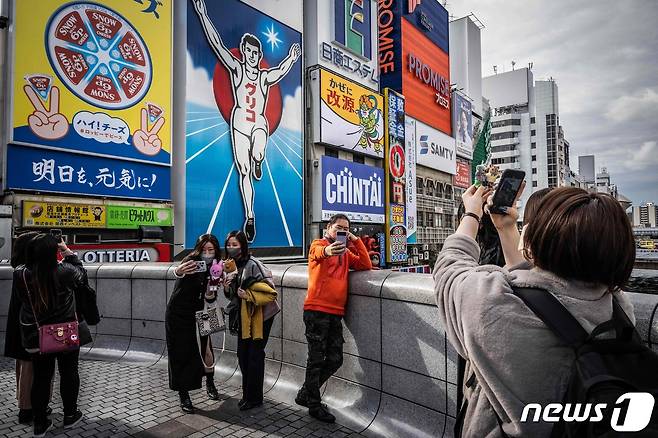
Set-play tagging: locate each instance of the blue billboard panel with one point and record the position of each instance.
(431, 18)
(244, 141)
(47, 170)
(354, 189)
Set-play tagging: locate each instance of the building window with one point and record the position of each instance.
(533, 145)
(533, 132)
(534, 183)
(358, 159)
(503, 135)
(534, 158)
(534, 171)
(532, 120)
(331, 152)
(429, 188)
(508, 122)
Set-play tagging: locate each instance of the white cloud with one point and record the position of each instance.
(600, 54)
(291, 117)
(202, 91)
(629, 107)
(646, 156)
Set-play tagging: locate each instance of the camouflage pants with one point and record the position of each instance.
(324, 334)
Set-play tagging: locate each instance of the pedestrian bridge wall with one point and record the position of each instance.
(399, 376)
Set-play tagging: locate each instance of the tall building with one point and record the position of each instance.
(526, 132)
(645, 215)
(586, 166)
(552, 167)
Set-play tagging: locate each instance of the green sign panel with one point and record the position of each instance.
(124, 216)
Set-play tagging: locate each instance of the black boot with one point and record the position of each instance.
(210, 388)
(25, 416)
(185, 402)
(321, 413)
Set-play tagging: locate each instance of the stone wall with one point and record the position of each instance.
(399, 374)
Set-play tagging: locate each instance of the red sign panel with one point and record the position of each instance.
(123, 252)
(425, 79)
(463, 176)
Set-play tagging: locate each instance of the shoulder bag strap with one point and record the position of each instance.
(29, 297)
(549, 309)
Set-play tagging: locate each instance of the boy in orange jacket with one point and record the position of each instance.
(329, 262)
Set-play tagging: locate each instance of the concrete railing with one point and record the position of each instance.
(399, 374)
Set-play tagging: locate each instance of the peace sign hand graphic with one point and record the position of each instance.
(147, 141)
(49, 124)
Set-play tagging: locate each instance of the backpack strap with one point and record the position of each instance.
(549, 309)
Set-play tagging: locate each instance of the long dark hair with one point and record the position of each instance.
(19, 250)
(491, 251)
(42, 264)
(200, 243)
(242, 240)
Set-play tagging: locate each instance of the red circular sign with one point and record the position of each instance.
(396, 161)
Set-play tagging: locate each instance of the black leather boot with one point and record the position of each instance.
(210, 388)
(186, 402)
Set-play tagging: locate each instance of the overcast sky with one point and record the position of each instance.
(603, 55)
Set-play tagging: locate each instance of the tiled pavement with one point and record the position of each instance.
(121, 400)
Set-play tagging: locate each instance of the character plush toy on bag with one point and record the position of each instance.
(216, 279)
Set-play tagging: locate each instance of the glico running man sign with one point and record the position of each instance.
(244, 163)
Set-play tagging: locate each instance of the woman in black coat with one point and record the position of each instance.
(13, 346)
(186, 368)
(46, 290)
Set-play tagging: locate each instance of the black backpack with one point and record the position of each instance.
(603, 371)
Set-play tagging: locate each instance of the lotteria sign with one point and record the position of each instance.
(123, 253)
(354, 189)
(413, 58)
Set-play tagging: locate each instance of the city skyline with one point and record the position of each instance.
(600, 55)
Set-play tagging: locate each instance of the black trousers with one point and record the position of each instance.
(251, 357)
(69, 385)
(324, 334)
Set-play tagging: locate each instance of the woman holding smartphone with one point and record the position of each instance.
(190, 360)
(251, 315)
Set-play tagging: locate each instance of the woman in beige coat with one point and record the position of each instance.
(582, 248)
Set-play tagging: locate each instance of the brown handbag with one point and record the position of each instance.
(55, 338)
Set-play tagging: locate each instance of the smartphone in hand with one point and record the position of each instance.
(200, 266)
(508, 188)
(57, 234)
(341, 236)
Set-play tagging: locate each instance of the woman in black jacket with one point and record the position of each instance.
(186, 367)
(46, 291)
(13, 345)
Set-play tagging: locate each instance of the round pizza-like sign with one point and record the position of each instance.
(396, 161)
(98, 55)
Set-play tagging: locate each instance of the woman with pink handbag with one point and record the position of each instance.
(49, 325)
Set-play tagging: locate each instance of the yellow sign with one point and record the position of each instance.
(61, 215)
(352, 116)
(94, 77)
